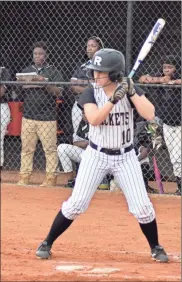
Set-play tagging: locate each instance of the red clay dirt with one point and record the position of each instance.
(104, 244)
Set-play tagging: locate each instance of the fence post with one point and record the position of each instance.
(129, 35)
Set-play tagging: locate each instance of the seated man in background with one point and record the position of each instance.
(69, 154)
(169, 111)
(72, 153)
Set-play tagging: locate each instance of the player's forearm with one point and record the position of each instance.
(177, 81)
(78, 88)
(96, 116)
(144, 107)
(55, 90)
(152, 79)
(2, 91)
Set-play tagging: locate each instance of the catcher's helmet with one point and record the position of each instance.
(109, 60)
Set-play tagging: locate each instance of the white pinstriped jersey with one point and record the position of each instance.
(117, 130)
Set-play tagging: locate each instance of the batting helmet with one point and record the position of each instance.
(109, 60)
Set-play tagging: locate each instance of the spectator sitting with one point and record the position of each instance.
(5, 111)
(170, 111)
(169, 75)
(72, 153)
(39, 117)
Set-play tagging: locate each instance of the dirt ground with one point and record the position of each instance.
(104, 244)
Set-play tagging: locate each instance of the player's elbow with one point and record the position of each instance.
(95, 122)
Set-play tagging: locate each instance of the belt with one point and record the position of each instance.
(111, 151)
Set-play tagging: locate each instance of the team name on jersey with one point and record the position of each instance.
(117, 119)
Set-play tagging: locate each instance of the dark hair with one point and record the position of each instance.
(41, 44)
(175, 61)
(98, 40)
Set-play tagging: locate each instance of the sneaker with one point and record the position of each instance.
(50, 180)
(151, 190)
(44, 251)
(24, 179)
(177, 193)
(104, 186)
(158, 254)
(70, 184)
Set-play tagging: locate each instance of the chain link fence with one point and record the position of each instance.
(65, 27)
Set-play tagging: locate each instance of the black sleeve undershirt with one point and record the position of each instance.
(86, 97)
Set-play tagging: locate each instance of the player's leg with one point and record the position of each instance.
(128, 175)
(91, 171)
(5, 119)
(47, 132)
(172, 137)
(68, 153)
(29, 140)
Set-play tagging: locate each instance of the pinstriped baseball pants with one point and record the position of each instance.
(127, 172)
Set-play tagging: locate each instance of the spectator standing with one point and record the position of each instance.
(94, 43)
(170, 111)
(5, 111)
(39, 117)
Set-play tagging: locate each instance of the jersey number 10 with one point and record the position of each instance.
(126, 136)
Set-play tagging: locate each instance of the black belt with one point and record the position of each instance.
(111, 151)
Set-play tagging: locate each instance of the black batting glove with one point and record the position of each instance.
(131, 89)
(118, 94)
(126, 87)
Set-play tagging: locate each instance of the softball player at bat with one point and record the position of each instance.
(108, 107)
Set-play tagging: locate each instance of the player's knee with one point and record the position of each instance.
(61, 149)
(145, 214)
(73, 208)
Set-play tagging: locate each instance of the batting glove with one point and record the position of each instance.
(126, 87)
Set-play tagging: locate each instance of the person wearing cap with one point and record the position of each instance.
(169, 111)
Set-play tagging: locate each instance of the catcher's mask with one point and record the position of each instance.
(108, 60)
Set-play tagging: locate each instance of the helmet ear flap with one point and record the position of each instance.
(115, 76)
(90, 74)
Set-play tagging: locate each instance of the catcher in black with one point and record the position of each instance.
(108, 106)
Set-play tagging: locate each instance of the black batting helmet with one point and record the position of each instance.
(109, 60)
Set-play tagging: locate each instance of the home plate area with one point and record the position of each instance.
(85, 270)
(117, 270)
